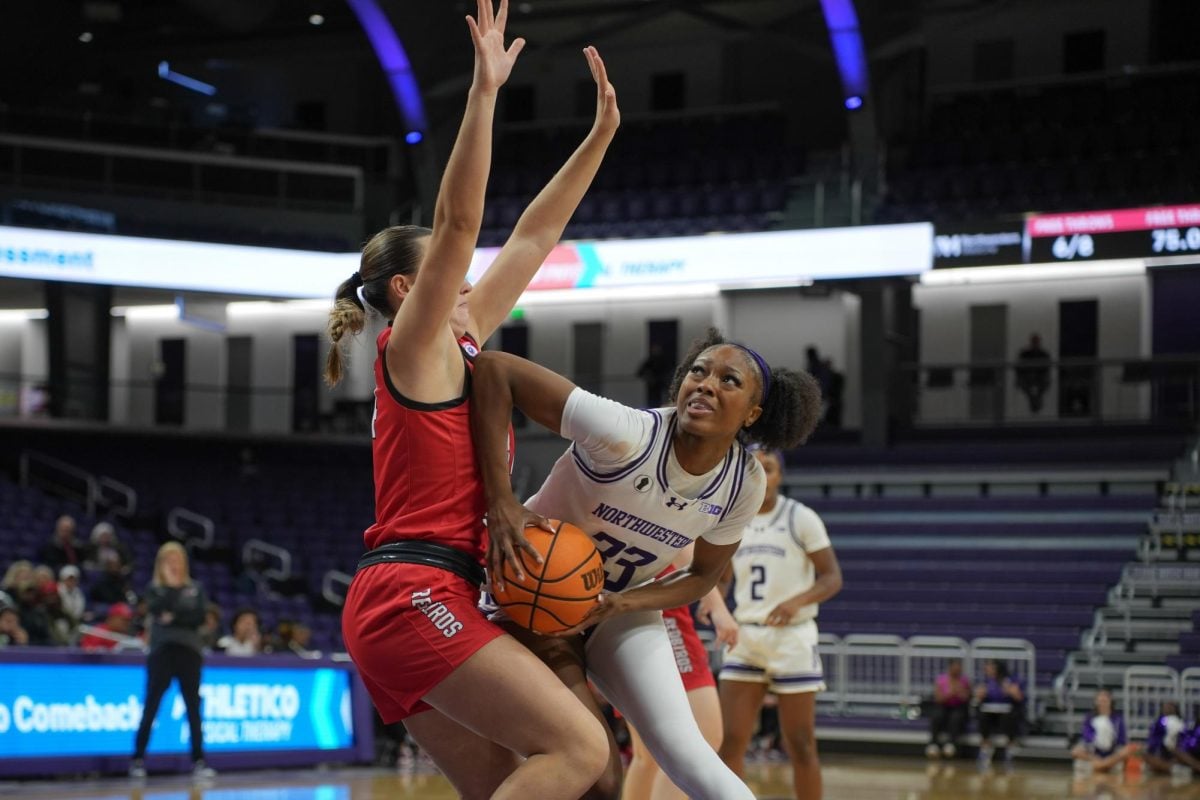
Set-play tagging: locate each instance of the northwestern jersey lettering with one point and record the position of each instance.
(772, 564)
(621, 483)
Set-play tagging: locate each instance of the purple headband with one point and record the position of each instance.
(763, 369)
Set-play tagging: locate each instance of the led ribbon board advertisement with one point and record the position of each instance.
(164, 264)
(1124, 233)
(777, 258)
(734, 260)
(63, 710)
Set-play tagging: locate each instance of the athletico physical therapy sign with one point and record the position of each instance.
(62, 709)
(727, 260)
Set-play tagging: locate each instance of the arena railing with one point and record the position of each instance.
(334, 585)
(1189, 694)
(1145, 690)
(1157, 389)
(92, 491)
(196, 531)
(257, 555)
(885, 675)
(196, 177)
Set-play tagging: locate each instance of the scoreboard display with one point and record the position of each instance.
(1125, 233)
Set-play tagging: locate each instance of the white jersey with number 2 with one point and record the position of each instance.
(772, 564)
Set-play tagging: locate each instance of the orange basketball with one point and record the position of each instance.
(557, 594)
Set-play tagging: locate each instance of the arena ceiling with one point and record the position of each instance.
(49, 46)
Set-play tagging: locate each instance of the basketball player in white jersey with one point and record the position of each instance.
(783, 569)
(644, 485)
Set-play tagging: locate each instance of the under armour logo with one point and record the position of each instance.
(673, 502)
(641, 483)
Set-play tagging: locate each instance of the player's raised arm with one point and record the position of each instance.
(458, 212)
(541, 226)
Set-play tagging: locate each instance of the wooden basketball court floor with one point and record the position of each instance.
(846, 778)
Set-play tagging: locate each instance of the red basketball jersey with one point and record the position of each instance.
(427, 482)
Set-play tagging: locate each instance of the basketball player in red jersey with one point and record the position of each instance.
(490, 713)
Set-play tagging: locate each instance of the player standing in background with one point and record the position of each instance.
(784, 568)
(643, 485)
(489, 713)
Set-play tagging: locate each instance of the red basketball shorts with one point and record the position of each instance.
(407, 627)
(690, 655)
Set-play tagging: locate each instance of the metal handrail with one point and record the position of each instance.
(329, 583)
(282, 572)
(29, 459)
(126, 493)
(178, 515)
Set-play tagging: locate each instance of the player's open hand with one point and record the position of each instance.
(506, 523)
(607, 605)
(493, 61)
(608, 116)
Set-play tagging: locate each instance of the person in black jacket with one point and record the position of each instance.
(177, 607)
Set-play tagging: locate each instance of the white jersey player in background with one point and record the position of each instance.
(644, 485)
(783, 569)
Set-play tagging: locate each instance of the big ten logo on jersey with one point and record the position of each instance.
(593, 577)
(442, 618)
(709, 508)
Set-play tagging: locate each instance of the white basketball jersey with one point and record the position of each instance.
(640, 507)
(772, 564)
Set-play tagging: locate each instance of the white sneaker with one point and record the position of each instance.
(985, 758)
(137, 769)
(1180, 774)
(931, 750)
(949, 750)
(202, 771)
(1083, 768)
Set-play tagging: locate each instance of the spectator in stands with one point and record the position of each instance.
(952, 700)
(1159, 753)
(999, 700)
(11, 632)
(104, 542)
(656, 372)
(34, 618)
(246, 638)
(63, 547)
(177, 606)
(74, 603)
(63, 631)
(117, 624)
(832, 393)
(42, 575)
(1103, 743)
(210, 631)
(300, 639)
(1033, 376)
(19, 573)
(113, 584)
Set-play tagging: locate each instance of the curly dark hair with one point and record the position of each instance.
(791, 412)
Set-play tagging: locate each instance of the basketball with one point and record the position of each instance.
(558, 594)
